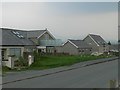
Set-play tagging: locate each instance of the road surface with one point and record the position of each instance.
(94, 76)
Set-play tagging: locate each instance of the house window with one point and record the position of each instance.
(79, 50)
(15, 51)
(82, 50)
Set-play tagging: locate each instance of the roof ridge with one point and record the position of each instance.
(13, 29)
(76, 39)
(95, 34)
(30, 30)
(36, 30)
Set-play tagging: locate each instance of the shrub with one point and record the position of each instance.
(22, 62)
(5, 68)
(36, 56)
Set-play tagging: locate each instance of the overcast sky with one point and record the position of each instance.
(65, 20)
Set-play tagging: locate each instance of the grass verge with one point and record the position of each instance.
(52, 61)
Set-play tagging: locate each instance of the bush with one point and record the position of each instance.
(22, 62)
(116, 53)
(36, 55)
(5, 68)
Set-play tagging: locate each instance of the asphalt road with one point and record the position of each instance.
(94, 76)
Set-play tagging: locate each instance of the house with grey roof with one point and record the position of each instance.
(98, 44)
(43, 38)
(76, 47)
(16, 43)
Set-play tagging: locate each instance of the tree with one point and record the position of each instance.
(118, 41)
(109, 43)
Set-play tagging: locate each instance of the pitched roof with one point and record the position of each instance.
(9, 38)
(13, 39)
(80, 43)
(38, 33)
(98, 39)
(35, 33)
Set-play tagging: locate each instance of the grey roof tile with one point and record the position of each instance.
(98, 39)
(80, 43)
(9, 38)
(35, 33)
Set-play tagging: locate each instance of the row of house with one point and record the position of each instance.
(16, 43)
(90, 44)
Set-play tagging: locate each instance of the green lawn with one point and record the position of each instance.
(50, 61)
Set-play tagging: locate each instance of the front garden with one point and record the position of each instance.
(45, 61)
(52, 61)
